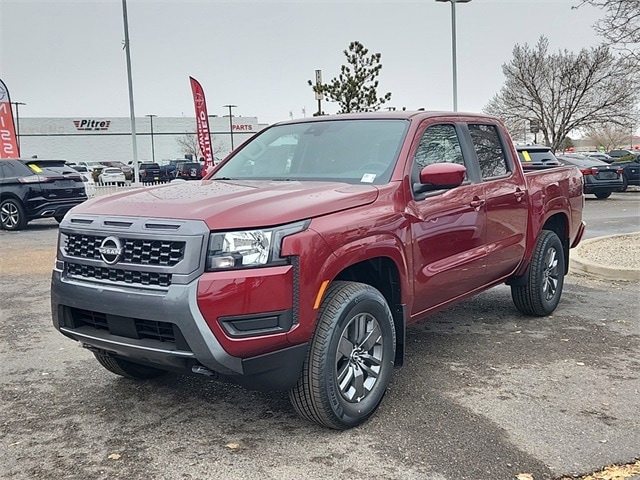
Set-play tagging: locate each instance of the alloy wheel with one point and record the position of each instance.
(359, 357)
(550, 275)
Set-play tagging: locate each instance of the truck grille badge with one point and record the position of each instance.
(111, 250)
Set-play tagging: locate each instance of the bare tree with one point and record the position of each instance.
(565, 91)
(608, 136)
(189, 145)
(620, 26)
(355, 89)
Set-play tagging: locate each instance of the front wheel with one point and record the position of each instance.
(126, 368)
(540, 295)
(350, 360)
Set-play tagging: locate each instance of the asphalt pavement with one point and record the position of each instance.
(485, 394)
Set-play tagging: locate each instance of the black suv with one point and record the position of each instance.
(35, 188)
(188, 171)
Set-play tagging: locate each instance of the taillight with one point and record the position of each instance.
(619, 171)
(585, 171)
(30, 179)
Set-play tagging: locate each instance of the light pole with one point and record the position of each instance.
(153, 150)
(453, 49)
(17, 104)
(136, 167)
(230, 123)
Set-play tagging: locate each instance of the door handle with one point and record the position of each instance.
(476, 203)
(519, 194)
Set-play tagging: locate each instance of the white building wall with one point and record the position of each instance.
(99, 138)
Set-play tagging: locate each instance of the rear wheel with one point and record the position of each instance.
(12, 214)
(625, 183)
(350, 360)
(541, 293)
(126, 368)
(602, 195)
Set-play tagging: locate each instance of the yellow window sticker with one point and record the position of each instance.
(35, 168)
(526, 156)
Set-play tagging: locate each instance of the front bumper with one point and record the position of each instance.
(101, 319)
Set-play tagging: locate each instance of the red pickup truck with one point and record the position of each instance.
(298, 262)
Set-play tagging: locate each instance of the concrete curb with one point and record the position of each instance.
(579, 261)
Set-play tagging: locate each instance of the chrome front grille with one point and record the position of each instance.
(136, 251)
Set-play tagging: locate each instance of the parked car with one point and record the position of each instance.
(600, 156)
(126, 169)
(79, 168)
(620, 153)
(149, 172)
(630, 172)
(37, 188)
(91, 165)
(168, 170)
(111, 175)
(536, 157)
(89, 185)
(600, 178)
(189, 171)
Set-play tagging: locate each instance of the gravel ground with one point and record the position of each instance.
(619, 251)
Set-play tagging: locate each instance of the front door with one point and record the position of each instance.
(447, 226)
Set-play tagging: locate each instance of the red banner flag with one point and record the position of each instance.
(202, 122)
(8, 140)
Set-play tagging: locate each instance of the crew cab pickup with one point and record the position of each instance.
(149, 172)
(297, 263)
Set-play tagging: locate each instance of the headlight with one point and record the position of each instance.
(249, 248)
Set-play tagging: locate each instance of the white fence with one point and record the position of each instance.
(99, 190)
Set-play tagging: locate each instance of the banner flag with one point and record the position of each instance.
(8, 140)
(202, 122)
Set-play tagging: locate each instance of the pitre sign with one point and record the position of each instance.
(86, 124)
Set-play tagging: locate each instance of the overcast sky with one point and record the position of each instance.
(65, 58)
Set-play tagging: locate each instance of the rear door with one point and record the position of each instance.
(506, 202)
(447, 226)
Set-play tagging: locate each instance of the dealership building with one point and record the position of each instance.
(99, 139)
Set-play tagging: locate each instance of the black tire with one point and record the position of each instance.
(543, 289)
(12, 214)
(350, 360)
(59, 218)
(602, 195)
(126, 368)
(625, 183)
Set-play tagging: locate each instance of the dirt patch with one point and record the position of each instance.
(15, 260)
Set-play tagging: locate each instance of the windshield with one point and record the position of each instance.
(351, 151)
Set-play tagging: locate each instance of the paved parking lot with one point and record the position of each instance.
(485, 394)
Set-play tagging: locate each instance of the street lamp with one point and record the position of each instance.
(153, 151)
(230, 123)
(453, 49)
(132, 115)
(17, 104)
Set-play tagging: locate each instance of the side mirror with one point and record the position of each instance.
(441, 175)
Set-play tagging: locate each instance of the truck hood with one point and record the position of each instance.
(232, 204)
